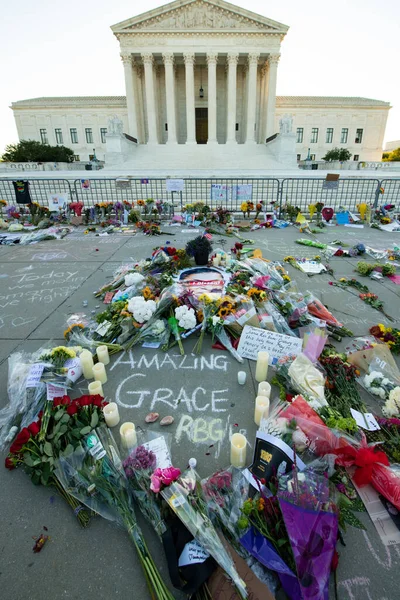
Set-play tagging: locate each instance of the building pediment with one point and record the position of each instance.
(199, 16)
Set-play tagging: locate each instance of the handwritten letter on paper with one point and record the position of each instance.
(277, 345)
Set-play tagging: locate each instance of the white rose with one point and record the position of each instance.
(299, 440)
(395, 395)
(215, 320)
(390, 409)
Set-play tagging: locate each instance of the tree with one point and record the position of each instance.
(340, 154)
(394, 156)
(32, 151)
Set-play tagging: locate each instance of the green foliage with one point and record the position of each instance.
(392, 156)
(340, 154)
(32, 151)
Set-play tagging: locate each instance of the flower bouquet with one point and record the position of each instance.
(185, 498)
(94, 475)
(68, 422)
(387, 335)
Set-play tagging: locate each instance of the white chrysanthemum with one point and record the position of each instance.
(391, 409)
(158, 327)
(186, 317)
(141, 309)
(395, 395)
(133, 279)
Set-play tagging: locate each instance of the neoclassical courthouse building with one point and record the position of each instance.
(200, 79)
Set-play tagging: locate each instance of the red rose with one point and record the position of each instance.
(57, 402)
(23, 437)
(9, 463)
(97, 401)
(85, 400)
(40, 415)
(65, 400)
(34, 428)
(72, 409)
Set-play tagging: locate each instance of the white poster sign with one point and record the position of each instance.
(278, 345)
(174, 185)
(57, 202)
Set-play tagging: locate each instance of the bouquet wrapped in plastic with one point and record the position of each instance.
(185, 499)
(94, 475)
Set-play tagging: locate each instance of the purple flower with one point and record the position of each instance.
(140, 459)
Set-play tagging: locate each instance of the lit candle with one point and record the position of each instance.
(99, 372)
(264, 389)
(261, 410)
(242, 377)
(95, 388)
(102, 355)
(111, 414)
(262, 366)
(216, 261)
(86, 360)
(238, 450)
(128, 435)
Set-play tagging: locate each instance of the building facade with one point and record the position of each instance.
(204, 73)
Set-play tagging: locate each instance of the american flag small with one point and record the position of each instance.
(208, 236)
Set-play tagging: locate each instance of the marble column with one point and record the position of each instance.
(263, 103)
(212, 59)
(233, 58)
(252, 98)
(131, 96)
(271, 95)
(168, 59)
(190, 108)
(148, 61)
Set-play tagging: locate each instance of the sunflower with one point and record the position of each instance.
(70, 329)
(223, 312)
(147, 293)
(200, 316)
(141, 202)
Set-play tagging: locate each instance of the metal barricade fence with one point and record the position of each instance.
(213, 191)
(39, 189)
(344, 192)
(391, 192)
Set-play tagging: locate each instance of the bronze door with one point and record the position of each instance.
(201, 125)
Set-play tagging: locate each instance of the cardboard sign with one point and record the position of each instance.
(174, 185)
(278, 345)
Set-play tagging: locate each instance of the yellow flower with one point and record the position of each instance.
(260, 504)
(244, 207)
(343, 279)
(286, 278)
(223, 312)
(205, 298)
(289, 258)
(147, 293)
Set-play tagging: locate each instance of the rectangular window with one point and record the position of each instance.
(329, 135)
(299, 157)
(344, 135)
(89, 135)
(312, 157)
(103, 131)
(356, 157)
(43, 136)
(59, 136)
(314, 135)
(299, 135)
(91, 156)
(74, 135)
(359, 136)
(76, 157)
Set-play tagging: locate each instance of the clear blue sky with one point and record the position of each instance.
(342, 48)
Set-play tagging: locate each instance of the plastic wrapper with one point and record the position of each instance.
(312, 526)
(196, 520)
(379, 372)
(267, 309)
(94, 475)
(318, 310)
(305, 378)
(52, 233)
(24, 403)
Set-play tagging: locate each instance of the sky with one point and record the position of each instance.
(342, 48)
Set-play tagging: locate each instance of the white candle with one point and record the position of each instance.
(95, 388)
(86, 360)
(264, 389)
(262, 366)
(228, 261)
(216, 261)
(238, 450)
(99, 372)
(102, 355)
(111, 414)
(128, 435)
(242, 377)
(261, 410)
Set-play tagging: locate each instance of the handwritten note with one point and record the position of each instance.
(254, 339)
(74, 369)
(311, 266)
(192, 553)
(160, 449)
(55, 391)
(365, 420)
(34, 376)
(174, 185)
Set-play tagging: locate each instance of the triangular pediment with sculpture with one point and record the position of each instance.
(199, 15)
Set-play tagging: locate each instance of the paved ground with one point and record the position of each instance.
(41, 285)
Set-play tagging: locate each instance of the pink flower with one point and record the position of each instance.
(163, 477)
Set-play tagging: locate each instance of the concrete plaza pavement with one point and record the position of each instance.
(41, 286)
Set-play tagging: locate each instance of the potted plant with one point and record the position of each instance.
(200, 249)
